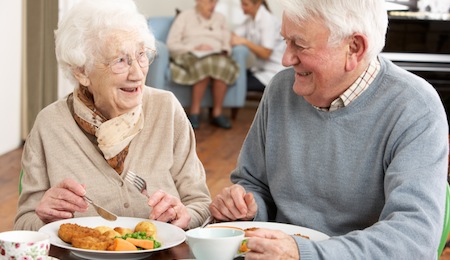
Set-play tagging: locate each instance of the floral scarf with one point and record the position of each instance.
(113, 135)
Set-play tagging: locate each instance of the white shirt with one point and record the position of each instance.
(264, 31)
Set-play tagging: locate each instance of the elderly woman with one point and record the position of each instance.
(199, 44)
(112, 123)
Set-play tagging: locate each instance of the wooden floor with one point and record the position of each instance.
(217, 149)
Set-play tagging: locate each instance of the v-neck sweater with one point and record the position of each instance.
(372, 175)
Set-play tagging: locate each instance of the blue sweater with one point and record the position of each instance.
(371, 175)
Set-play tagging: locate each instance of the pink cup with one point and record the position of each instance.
(24, 245)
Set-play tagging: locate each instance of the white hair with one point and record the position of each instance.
(82, 32)
(344, 18)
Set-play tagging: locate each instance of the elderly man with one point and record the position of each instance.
(344, 142)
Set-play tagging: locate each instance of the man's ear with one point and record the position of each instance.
(357, 49)
(80, 75)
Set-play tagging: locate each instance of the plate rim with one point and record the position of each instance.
(265, 223)
(80, 251)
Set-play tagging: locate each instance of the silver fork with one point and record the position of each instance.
(137, 181)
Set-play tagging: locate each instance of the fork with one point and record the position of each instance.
(137, 181)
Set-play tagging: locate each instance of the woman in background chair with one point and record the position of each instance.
(85, 143)
(194, 33)
(260, 32)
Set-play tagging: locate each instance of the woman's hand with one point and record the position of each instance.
(168, 208)
(233, 203)
(61, 201)
(271, 244)
(237, 40)
(204, 47)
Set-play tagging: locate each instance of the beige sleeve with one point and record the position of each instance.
(34, 182)
(175, 41)
(188, 172)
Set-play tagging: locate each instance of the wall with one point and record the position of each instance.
(10, 74)
(231, 8)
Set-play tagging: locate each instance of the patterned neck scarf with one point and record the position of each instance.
(113, 135)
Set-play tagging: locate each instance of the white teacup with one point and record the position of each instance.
(214, 243)
(21, 244)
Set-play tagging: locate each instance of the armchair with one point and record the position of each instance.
(159, 74)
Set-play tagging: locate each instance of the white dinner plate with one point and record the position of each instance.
(286, 228)
(168, 234)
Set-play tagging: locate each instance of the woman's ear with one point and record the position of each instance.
(357, 49)
(80, 75)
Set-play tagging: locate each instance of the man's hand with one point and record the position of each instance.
(271, 244)
(233, 203)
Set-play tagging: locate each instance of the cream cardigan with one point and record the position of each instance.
(163, 153)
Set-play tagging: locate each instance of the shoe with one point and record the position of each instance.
(195, 120)
(221, 121)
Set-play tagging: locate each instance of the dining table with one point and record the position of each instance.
(179, 252)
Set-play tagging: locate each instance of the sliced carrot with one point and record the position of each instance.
(122, 245)
(243, 248)
(142, 243)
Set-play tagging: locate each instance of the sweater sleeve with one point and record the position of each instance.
(226, 34)
(188, 171)
(251, 170)
(34, 182)
(176, 34)
(411, 221)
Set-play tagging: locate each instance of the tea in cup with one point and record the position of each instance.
(21, 244)
(214, 243)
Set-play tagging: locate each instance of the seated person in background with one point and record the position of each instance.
(260, 32)
(345, 142)
(111, 124)
(203, 30)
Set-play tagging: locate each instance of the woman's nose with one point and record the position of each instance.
(136, 71)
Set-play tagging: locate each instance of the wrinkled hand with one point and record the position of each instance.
(62, 201)
(168, 208)
(204, 47)
(233, 203)
(271, 244)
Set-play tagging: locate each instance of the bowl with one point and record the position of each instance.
(21, 244)
(214, 243)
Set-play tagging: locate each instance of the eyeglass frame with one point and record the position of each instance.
(149, 53)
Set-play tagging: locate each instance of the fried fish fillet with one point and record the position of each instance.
(92, 243)
(68, 231)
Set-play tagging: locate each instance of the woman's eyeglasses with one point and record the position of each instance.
(123, 63)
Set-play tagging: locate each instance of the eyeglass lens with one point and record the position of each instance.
(123, 64)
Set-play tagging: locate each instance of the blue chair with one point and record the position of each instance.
(159, 75)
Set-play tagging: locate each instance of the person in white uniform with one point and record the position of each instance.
(260, 32)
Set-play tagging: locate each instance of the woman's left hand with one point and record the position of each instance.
(168, 208)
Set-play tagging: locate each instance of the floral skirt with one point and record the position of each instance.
(187, 69)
